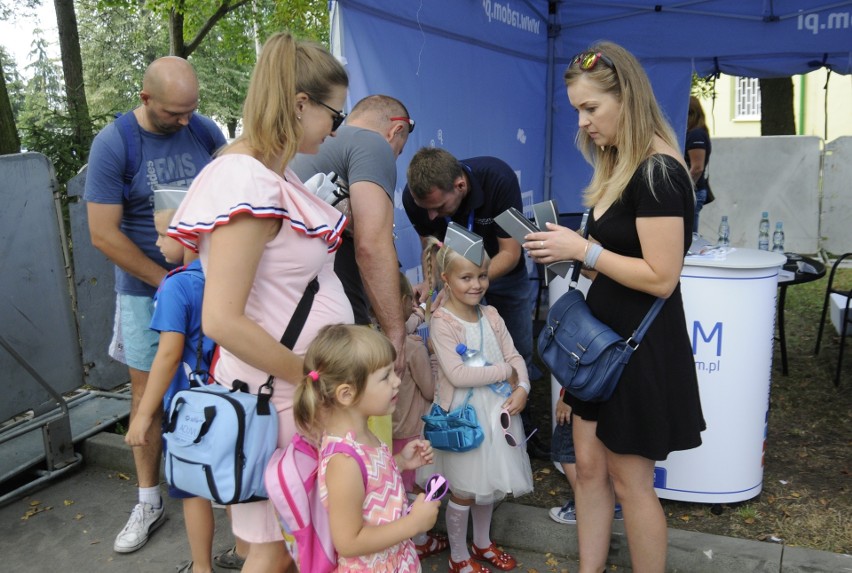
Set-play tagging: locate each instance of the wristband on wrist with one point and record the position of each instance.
(525, 386)
(591, 258)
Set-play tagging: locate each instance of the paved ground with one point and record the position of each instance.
(70, 526)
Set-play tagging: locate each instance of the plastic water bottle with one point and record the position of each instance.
(763, 232)
(472, 357)
(724, 233)
(778, 238)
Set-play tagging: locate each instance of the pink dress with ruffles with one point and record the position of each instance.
(304, 248)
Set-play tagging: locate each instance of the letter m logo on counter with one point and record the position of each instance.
(698, 331)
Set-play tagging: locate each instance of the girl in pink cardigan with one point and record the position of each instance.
(498, 392)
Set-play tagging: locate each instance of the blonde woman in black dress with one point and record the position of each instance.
(640, 228)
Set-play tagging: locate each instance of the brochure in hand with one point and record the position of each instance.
(518, 226)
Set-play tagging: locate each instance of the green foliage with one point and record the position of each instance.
(703, 88)
(118, 40)
(15, 84)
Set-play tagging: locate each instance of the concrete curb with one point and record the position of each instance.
(531, 529)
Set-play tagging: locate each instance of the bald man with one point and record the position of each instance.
(160, 142)
(363, 153)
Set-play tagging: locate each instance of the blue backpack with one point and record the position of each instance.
(128, 128)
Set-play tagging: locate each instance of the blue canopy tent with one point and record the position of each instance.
(484, 77)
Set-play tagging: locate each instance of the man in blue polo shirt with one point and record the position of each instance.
(158, 143)
(472, 192)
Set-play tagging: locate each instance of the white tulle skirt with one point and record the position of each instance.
(495, 468)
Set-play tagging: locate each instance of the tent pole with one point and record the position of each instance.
(553, 30)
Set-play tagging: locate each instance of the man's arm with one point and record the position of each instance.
(506, 258)
(106, 235)
(372, 212)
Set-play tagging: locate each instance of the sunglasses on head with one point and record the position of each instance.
(407, 120)
(588, 60)
(505, 423)
(336, 119)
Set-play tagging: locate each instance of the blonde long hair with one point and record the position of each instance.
(340, 354)
(639, 120)
(286, 67)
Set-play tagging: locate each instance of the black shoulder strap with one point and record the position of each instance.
(297, 322)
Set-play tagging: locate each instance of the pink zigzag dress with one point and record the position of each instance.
(385, 502)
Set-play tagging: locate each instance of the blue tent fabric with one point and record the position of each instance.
(484, 77)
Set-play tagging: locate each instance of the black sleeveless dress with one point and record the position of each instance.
(655, 408)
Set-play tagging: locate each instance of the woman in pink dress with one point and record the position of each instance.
(262, 237)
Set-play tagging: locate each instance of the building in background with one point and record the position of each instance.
(735, 112)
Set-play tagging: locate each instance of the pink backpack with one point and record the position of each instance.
(291, 483)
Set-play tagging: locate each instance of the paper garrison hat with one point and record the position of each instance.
(467, 244)
(168, 198)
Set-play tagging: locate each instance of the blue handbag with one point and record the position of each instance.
(455, 431)
(585, 355)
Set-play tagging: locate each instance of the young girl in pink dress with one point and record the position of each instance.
(351, 377)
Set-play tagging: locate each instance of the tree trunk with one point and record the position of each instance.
(776, 107)
(72, 67)
(9, 140)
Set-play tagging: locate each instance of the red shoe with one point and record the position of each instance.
(434, 544)
(499, 559)
(459, 566)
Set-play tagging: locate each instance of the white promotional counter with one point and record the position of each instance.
(730, 313)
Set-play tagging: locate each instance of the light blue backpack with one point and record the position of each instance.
(218, 442)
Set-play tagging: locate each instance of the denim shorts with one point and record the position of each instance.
(133, 341)
(562, 444)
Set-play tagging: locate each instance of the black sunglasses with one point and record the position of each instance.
(336, 119)
(407, 120)
(588, 60)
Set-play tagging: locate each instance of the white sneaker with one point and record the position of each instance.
(566, 514)
(144, 519)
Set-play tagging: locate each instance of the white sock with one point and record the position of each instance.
(481, 516)
(150, 495)
(457, 531)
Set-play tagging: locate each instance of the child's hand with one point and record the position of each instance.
(513, 378)
(515, 403)
(416, 453)
(138, 430)
(424, 513)
(563, 413)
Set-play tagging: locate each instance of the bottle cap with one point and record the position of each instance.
(765, 214)
(461, 349)
(778, 225)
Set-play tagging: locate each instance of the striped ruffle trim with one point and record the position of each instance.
(188, 233)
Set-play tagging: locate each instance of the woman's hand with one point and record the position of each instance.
(556, 244)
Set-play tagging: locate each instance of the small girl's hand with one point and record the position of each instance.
(416, 453)
(515, 403)
(424, 514)
(563, 413)
(513, 378)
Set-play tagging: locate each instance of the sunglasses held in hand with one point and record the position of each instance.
(436, 488)
(505, 423)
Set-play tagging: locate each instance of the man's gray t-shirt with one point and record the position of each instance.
(355, 155)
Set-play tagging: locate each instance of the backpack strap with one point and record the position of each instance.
(201, 133)
(346, 449)
(128, 128)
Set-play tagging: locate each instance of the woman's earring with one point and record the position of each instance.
(299, 117)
